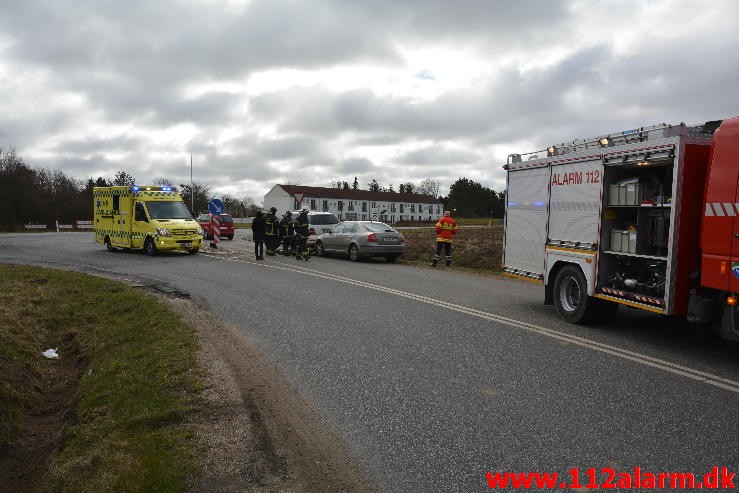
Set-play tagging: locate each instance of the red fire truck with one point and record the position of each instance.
(647, 217)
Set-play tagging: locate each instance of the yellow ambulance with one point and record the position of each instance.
(144, 217)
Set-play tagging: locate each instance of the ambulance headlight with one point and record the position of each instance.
(201, 232)
(163, 232)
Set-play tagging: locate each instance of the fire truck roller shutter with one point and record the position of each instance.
(526, 220)
(575, 202)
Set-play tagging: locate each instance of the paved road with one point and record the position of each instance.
(434, 377)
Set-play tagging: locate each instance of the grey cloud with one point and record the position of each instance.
(356, 165)
(434, 155)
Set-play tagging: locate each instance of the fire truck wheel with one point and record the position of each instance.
(150, 247)
(571, 296)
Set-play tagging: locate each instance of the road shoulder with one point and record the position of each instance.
(256, 432)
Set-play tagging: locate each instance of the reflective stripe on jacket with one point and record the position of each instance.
(445, 229)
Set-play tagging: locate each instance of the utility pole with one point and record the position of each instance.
(192, 192)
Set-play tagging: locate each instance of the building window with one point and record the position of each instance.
(438, 210)
(402, 208)
(364, 217)
(351, 205)
(325, 206)
(374, 204)
(341, 205)
(364, 206)
(413, 208)
(392, 207)
(312, 204)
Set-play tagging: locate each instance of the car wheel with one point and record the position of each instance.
(150, 247)
(353, 253)
(571, 298)
(320, 252)
(391, 258)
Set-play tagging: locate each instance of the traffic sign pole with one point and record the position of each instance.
(215, 206)
(216, 228)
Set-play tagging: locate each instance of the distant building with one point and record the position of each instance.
(355, 205)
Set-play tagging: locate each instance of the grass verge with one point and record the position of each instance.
(117, 398)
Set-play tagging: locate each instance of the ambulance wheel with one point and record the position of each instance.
(193, 251)
(320, 252)
(110, 247)
(150, 247)
(571, 298)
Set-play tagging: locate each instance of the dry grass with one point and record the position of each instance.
(478, 248)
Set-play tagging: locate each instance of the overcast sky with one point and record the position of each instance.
(315, 91)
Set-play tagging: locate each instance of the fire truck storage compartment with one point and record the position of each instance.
(635, 229)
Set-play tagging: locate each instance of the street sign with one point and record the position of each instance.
(375, 213)
(215, 206)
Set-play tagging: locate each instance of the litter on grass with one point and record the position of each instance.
(51, 353)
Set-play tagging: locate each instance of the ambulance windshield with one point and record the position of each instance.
(167, 210)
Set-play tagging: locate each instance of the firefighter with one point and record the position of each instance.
(446, 228)
(301, 236)
(272, 230)
(287, 232)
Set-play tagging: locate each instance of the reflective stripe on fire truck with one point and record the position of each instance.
(722, 209)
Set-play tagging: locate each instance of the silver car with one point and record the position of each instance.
(361, 239)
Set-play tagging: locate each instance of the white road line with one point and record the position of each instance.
(643, 359)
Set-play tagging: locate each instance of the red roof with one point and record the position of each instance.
(338, 193)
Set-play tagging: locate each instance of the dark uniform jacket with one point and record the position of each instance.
(259, 228)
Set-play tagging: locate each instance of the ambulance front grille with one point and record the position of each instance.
(184, 232)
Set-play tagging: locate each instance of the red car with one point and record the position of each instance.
(227, 226)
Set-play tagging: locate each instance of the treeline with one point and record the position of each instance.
(39, 196)
(466, 197)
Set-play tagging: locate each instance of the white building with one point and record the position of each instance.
(355, 205)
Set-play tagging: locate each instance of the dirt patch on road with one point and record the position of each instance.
(256, 434)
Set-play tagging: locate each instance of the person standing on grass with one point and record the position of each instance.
(259, 230)
(446, 228)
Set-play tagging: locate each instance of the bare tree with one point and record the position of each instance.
(428, 187)
(162, 182)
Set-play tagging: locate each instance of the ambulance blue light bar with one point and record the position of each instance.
(136, 188)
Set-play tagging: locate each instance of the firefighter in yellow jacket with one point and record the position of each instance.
(446, 228)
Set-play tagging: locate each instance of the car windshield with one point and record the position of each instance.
(167, 210)
(378, 228)
(324, 219)
(226, 219)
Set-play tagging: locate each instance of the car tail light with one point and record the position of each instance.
(311, 231)
(372, 237)
(731, 300)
